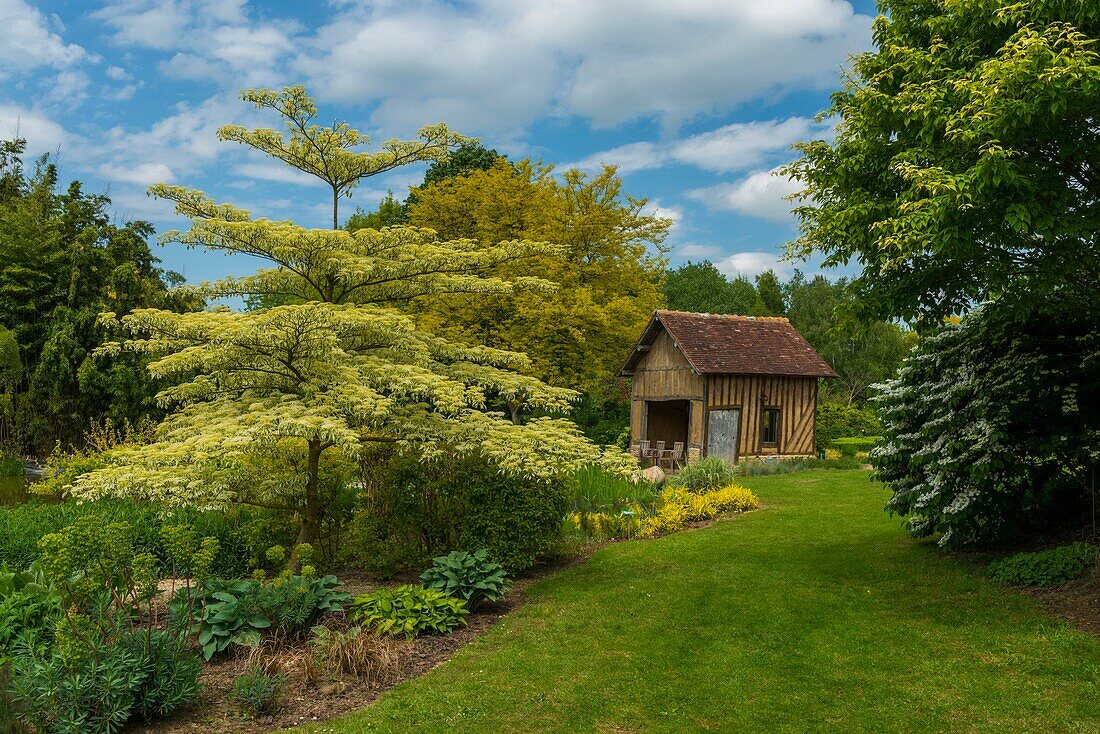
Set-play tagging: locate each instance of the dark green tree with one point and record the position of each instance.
(467, 157)
(771, 293)
(701, 287)
(390, 213)
(62, 263)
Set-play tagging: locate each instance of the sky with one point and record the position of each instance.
(696, 101)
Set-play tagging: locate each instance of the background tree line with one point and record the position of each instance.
(611, 270)
(63, 261)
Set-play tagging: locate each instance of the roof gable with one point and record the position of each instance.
(735, 345)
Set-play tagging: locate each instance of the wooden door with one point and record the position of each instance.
(723, 428)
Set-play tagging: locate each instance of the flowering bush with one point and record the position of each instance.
(991, 425)
(680, 506)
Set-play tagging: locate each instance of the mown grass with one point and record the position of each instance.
(816, 614)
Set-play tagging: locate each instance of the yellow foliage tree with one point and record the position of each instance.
(272, 406)
(608, 266)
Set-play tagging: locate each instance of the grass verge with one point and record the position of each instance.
(815, 614)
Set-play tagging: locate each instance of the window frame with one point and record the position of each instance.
(776, 428)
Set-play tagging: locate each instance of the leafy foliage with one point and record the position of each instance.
(225, 613)
(471, 577)
(1051, 567)
(701, 288)
(965, 162)
(410, 611)
(606, 279)
(29, 605)
(596, 490)
(277, 406)
(243, 534)
(257, 692)
(992, 425)
(835, 420)
(679, 506)
(705, 474)
(63, 261)
(96, 669)
(413, 511)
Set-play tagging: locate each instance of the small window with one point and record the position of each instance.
(769, 430)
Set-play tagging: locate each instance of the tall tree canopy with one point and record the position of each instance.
(966, 164)
(62, 262)
(270, 406)
(702, 288)
(607, 267)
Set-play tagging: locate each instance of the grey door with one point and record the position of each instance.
(722, 433)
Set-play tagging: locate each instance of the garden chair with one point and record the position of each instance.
(644, 448)
(659, 453)
(636, 450)
(676, 455)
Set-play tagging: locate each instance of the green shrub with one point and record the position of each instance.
(834, 420)
(471, 577)
(257, 692)
(413, 511)
(410, 611)
(1045, 568)
(10, 466)
(92, 691)
(703, 475)
(243, 535)
(850, 446)
(94, 669)
(222, 613)
(169, 672)
(28, 604)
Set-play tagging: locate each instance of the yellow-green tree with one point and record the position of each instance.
(608, 266)
(271, 407)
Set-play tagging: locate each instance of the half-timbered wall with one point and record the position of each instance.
(795, 397)
(665, 374)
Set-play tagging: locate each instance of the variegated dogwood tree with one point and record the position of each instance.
(272, 407)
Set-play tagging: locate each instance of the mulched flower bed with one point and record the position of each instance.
(305, 701)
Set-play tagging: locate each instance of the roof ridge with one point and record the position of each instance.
(729, 316)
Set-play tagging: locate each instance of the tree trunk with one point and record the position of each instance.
(313, 513)
(516, 409)
(335, 208)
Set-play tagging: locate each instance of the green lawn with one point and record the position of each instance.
(815, 614)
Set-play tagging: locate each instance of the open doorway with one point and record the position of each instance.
(667, 420)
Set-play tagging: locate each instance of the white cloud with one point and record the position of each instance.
(761, 194)
(42, 134)
(750, 264)
(145, 174)
(498, 64)
(212, 39)
(735, 147)
(696, 252)
(28, 42)
(156, 24)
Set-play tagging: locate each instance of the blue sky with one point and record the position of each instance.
(696, 100)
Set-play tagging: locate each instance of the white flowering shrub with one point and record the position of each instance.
(992, 426)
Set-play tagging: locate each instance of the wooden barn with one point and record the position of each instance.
(720, 385)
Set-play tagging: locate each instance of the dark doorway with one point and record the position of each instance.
(667, 420)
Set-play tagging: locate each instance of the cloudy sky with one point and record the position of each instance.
(696, 101)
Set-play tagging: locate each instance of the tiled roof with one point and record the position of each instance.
(734, 345)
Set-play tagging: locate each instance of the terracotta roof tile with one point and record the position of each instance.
(737, 345)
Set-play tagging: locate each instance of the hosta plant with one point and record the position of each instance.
(410, 611)
(223, 613)
(468, 576)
